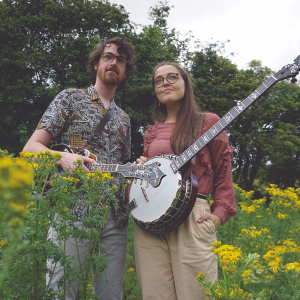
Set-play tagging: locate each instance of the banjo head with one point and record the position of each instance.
(153, 202)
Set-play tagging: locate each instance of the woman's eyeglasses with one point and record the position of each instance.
(171, 78)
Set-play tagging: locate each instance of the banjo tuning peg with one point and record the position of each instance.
(293, 80)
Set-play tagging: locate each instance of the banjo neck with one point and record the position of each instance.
(150, 173)
(286, 72)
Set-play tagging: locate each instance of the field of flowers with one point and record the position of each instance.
(258, 249)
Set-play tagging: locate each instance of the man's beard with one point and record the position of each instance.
(111, 79)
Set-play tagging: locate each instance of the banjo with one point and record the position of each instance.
(164, 207)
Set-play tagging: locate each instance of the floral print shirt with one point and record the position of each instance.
(72, 118)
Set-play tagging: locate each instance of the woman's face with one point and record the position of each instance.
(169, 94)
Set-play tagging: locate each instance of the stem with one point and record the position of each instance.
(226, 284)
(65, 283)
(79, 258)
(33, 266)
(47, 288)
(291, 284)
(228, 230)
(91, 214)
(36, 269)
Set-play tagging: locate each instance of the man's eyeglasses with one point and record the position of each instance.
(171, 78)
(109, 57)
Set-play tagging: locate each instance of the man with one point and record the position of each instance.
(71, 119)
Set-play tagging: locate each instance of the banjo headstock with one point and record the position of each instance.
(289, 71)
(150, 173)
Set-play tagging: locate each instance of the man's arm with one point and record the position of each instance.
(39, 141)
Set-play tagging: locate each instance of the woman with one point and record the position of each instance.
(167, 264)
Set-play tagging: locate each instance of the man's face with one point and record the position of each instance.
(109, 72)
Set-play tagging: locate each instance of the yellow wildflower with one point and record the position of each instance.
(200, 276)
(274, 265)
(3, 243)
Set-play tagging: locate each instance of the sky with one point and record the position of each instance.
(265, 30)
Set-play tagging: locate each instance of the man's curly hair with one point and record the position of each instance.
(123, 48)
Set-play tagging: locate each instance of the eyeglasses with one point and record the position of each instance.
(171, 78)
(109, 57)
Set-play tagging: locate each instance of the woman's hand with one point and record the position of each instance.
(215, 219)
(141, 160)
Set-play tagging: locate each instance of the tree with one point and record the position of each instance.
(153, 44)
(268, 125)
(44, 49)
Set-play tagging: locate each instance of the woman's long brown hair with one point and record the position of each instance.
(186, 129)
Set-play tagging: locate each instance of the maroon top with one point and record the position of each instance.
(212, 168)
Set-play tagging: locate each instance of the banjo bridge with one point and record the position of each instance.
(145, 194)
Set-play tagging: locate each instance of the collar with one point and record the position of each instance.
(94, 95)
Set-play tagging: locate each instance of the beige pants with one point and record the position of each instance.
(167, 264)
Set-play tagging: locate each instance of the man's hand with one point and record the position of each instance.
(68, 159)
(215, 219)
(42, 137)
(141, 160)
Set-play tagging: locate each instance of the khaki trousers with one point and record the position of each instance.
(167, 264)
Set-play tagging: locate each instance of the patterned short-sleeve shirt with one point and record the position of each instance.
(72, 118)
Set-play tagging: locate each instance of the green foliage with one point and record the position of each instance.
(153, 44)
(45, 45)
(131, 288)
(25, 221)
(267, 132)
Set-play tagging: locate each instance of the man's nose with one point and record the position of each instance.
(114, 61)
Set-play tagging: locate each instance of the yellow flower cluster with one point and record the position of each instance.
(274, 264)
(20, 209)
(282, 216)
(200, 277)
(259, 201)
(218, 291)
(253, 232)
(288, 198)
(244, 194)
(248, 209)
(273, 256)
(228, 256)
(15, 173)
(42, 154)
(293, 266)
(246, 274)
(71, 179)
(130, 270)
(238, 291)
(98, 176)
(15, 176)
(3, 243)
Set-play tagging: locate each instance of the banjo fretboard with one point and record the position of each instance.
(286, 72)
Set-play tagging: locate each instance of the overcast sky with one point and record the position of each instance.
(267, 30)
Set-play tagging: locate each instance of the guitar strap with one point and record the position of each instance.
(95, 134)
(100, 125)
